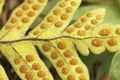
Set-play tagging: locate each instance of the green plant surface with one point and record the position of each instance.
(114, 70)
(102, 62)
(79, 42)
(105, 2)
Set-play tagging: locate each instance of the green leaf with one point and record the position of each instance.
(118, 1)
(49, 6)
(105, 2)
(115, 67)
(103, 60)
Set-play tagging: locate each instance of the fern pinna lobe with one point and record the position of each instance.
(83, 28)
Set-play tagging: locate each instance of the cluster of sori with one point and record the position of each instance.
(64, 59)
(84, 34)
(56, 20)
(21, 19)
(82, 29)
(23, 56)
(89, 34)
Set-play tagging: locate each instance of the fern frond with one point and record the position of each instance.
(65, 70)
(21, 19)
(67, 50)
(61, 40)
(56, 20)
(49, 47)
(83, 28)
(105, 36)
(25, 61)
(63, 56)
(27, 52)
